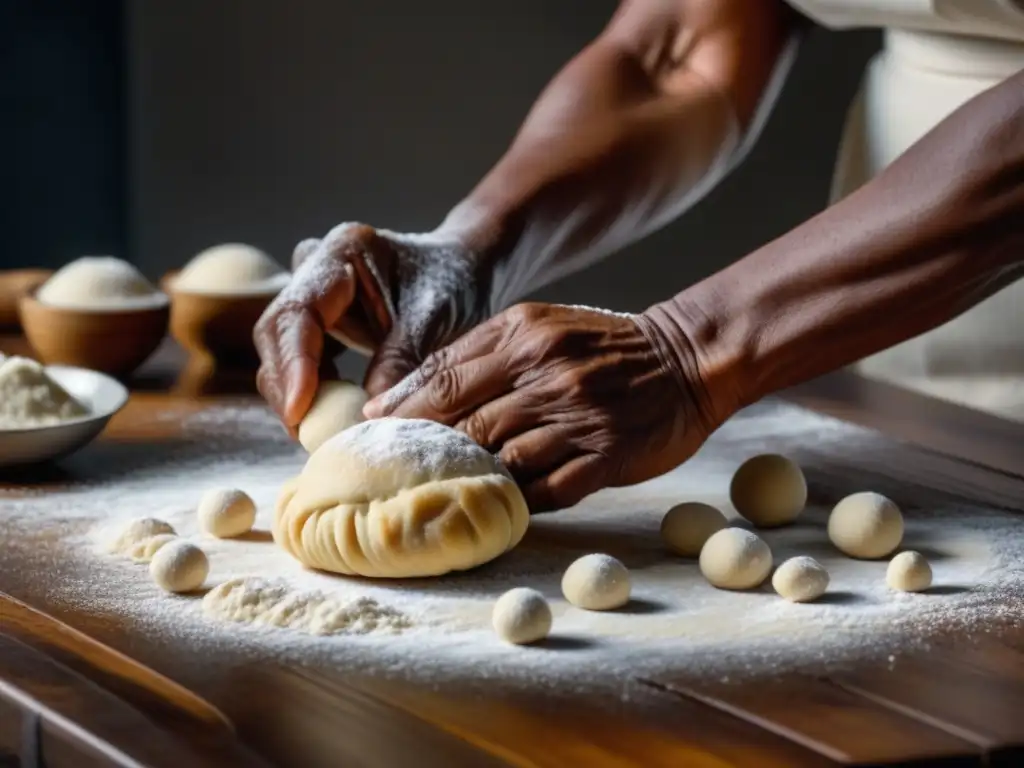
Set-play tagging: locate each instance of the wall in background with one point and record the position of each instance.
(267, 122)
(62, 130)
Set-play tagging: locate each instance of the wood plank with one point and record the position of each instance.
(296, 718)
(649, 729)
(833, 721)
(971, 436)
(76, 712)
(140, 686)
(985, 708)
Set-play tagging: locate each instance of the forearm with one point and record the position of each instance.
(633, 131)
(938, 231)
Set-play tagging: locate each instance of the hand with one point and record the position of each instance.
(397, 297)
(572, 400)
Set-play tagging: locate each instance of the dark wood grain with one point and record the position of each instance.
(81, 719)
(981, 706)
(833, 721)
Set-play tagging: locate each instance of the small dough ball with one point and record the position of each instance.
(866, 525)
(232, 268)
(687, 526)
(226, 512)
(597, 583)
(143, 551)
(338, 405)
(179, 566)
(769, 490)
(400, 498)
(909, 572)
(521, 616)
(136, 531)
(735, 558)
(800, 579)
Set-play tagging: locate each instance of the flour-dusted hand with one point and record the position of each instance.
(393, 296)
(571, 399)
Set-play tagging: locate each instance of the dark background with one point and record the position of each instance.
(150, 129)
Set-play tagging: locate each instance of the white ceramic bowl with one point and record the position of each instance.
(102, 395)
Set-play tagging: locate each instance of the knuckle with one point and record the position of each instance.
(479, 430)
(443, 393)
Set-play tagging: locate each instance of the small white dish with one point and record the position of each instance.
(102, 395)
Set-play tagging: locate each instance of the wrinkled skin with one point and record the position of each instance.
(572, 400)
(397, 297)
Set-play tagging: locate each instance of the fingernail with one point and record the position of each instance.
(374, 408)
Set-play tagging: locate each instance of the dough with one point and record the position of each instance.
(735, 558)
(232, 268)
(226, 512)
(137, 531)
(338, 405)
(909, 572)
(179, 566)
(686, 527)
(866, 525)
(395, 498)
(252, 600)
(800, 579)
(29, 398)
(597, 583)
(98, 283)
(143, 551)
(521, 616)
(769, 490)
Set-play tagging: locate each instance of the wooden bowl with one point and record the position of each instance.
(216, 326)
(14, 284)
(115, 342)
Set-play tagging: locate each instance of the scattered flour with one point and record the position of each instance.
(439, 630)
(30, 398)
(257, 601)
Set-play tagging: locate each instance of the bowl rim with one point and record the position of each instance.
(123, 395)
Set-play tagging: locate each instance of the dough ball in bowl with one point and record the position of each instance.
(687, 526)
(338, 405)
(597, 582)
(231, 268)
(97, 312)
(521, 616)
(735, 558)
(398, 498)
(226, 512)
(866, 525)
(99, 283)
(769, 490)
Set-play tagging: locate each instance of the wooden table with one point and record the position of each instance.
(65, 700)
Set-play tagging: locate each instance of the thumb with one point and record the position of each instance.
(394, 359)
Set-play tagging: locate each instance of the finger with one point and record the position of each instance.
(478, 342)
(568, 485)
(502, 418)
(537, 452)
(458, 390)
(303, 251)
(289, 337)
(393, 361)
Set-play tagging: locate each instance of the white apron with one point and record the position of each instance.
(917, 80)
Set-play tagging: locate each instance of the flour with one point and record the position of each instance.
(30, 398)
(100, 284)
(439, 630)
(423, 449)
(260, 602)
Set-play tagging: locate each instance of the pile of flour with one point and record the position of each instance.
(30, 398)
(439, 629)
